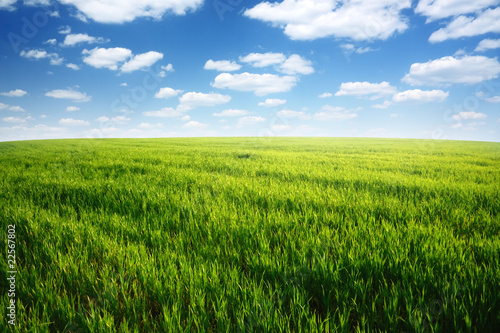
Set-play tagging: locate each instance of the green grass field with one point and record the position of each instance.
(252, 235)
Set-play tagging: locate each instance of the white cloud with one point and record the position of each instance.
(260, 84)
(294, 114)
(384, 105)
(393, 115)
(165, 113)
(14, 93)
(231, 113)
(194, 124)
(292, 65)
(167, 93)
(106, 58)
(494, 99)
(438, 9)
(110, 11)
(17, 120)
(312, 19)
(64, 30)
(73, 67)
(222, 65)
(150, 126)
(295, 64)
(249, 120)
(73, 122)
(72, 108)
(102, 119)
(141, 61)
(74, 39)
(52, 41)
(76, 96)
(271, 102)
(263, 59)
(280, 127)
(468, 26)
(7, 5)
(335, 113)
(375, 90)
(16, 108)
(465, 115)
(351, 48)
(488, 44)
(120, 120)
(196, 99)
(420, 96)
(325, 95)
(165, 69)
(447, 70)
(42, 54)
(124, 84)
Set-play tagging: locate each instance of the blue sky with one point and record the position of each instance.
(365, 68)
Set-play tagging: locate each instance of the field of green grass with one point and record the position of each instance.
(252, 235)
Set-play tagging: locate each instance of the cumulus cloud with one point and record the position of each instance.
(107, 11)
(150, 126)
(73, 122)
(271, 102)
(167, 93)
(194, 124)
(17, 120)
(7, 5)
(74, 95)
(14, 93)
(468, 26)
(351, 48)
(260, 84)
(231, 113)
(294, 114)
(141, 61)
(113, 58)
(166, 113)
(74, 39)
(35, 54)
(249, 120)
(73, 66)
(72, 108)
(263, 59)
(488, 44)
(196, 99)
(106, 58)
(16, 108)
(494, 99)
(222, 65)
(292, 65)
(467, 115)
(325, 95)
(295, 64)
(448, 70)
(438, 9)
(360, 89)
(335, 113)
(420, 96)
(355, 19)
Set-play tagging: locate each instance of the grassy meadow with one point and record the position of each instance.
(252, 235)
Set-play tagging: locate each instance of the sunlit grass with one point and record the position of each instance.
(253, 235)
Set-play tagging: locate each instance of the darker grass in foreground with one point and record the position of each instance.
(252, 235)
